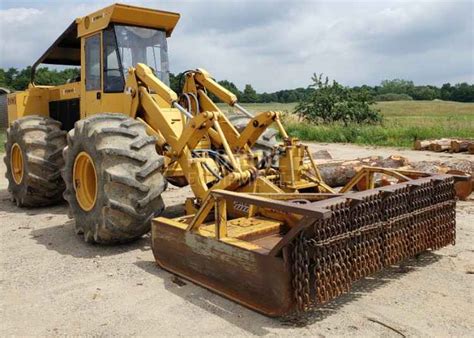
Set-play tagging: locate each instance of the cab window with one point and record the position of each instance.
(113, 76)
(92, 47)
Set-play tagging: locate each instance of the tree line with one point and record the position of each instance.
(388, 90)
(399, 89)
(15, 79)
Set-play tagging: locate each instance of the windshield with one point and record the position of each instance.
(143, 45)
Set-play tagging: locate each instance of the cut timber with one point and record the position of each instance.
(463, 188)
(453, 166)
(443, 167)
(339, 173)
(440, 145)
(459, 145)
(470, 148)
(445, 144)
(422, 144)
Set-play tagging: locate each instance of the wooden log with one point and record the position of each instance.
(440, 145)
(433, 167)
(463, 188)
(453, 166)
(441, 167)
(338, 173)
(445, 144)
(470, 148)
(422, 144)
(432, 146)
(459, 145)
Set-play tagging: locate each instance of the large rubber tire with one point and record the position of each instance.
(41, 142)
(266, 141)
(128, 175)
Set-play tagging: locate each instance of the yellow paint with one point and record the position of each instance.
(66, 91)
(146, 74)
(127, 15)
(204, 78)
(243, 227)
(85, 181)
(130, 99)
(16, 163)
(34, 101)
(255, 128)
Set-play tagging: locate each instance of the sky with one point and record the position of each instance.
(279, 44)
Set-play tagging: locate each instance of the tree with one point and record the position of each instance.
(3, 80)
(331, 102)
(425, 93)
(249, 94)
(463, 92)
(175, 82)
(446, 91)
(10, 75)
(266, 97)
(19, 79)
(396, 86)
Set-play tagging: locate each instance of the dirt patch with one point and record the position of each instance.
(53, 283)
(351, 151)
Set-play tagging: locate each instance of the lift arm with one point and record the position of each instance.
(204, 79)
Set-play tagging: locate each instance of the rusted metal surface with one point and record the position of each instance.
(310, 210)
(382, 227)
(254, 279)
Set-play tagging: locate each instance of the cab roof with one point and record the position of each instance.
(66, 50)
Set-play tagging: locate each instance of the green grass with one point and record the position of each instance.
(404, 121)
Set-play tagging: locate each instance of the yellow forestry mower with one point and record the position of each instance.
(262, 228)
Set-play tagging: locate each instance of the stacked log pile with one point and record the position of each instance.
(446, 144)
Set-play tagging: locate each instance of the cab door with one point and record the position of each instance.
(113, 81)
(92, 97)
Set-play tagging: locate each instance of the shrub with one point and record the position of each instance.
(331, 102)
(393, 97)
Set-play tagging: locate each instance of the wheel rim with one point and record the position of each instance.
(85, 181)
(16, 163)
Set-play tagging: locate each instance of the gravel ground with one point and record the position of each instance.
(52, 283)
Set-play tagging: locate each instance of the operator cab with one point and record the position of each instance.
(124, 47)
(105, 44)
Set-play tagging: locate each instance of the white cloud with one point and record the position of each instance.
(275, 45)
(18, 16)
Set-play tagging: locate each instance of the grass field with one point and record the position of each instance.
(404, 121)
